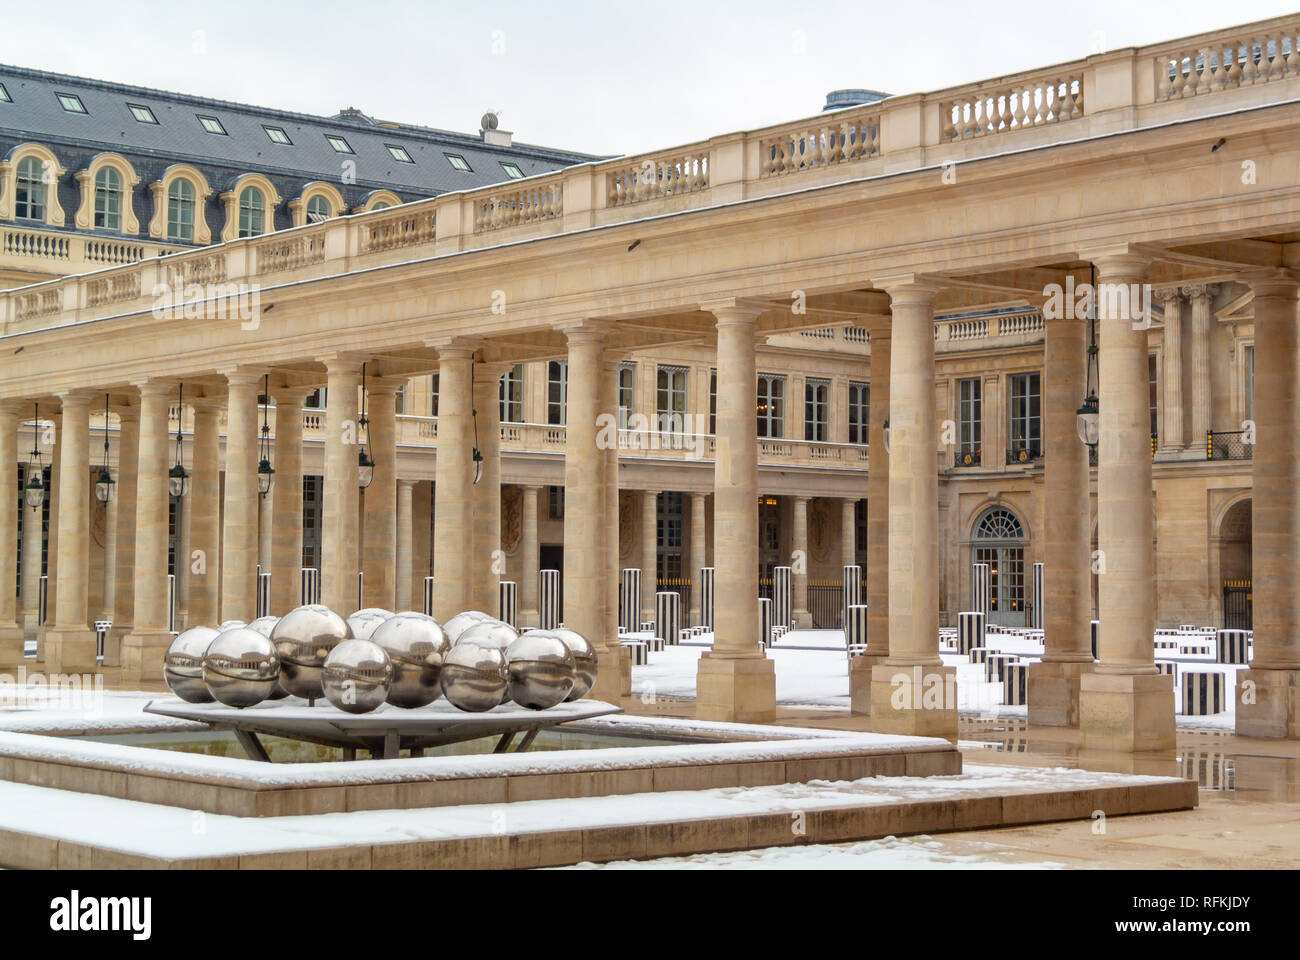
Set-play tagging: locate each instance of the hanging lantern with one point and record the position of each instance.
(265, 474)
(34, 488)
(178, 481)
(1088, 417)
(104, 485)
(365, 463)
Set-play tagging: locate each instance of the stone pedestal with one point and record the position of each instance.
(1054, 693)
(739, 691)
(142, 657)
(860, 668)
(613, 674)
(1268, 703)
(72, 651)
(1127, 712)
(920, 700)
(11, 646)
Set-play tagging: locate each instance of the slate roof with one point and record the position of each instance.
(35, 114)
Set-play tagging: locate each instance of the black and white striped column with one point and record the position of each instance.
(764, 622)
(629, 600)
(668, 615)
(428, 596)
(855, 632)
(1015, 684)
(310, 585)
(1094, 639)
(970, 631)
(548, 598)
(1036, 611)
(706, 597)
(781, 597)
(1203, 693)
(995, 666)
(171, 603)
(263, 594)
(508, 604)
(979, 588)
(1233, 646)
(852, 590)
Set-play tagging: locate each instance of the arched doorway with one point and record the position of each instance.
(1234, 565)
(999, 541)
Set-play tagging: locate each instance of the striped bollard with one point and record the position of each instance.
(1166, 667)
(310, 585)
(1232, 646)
(764, 622)
(668, 616)
(1015, 684)
(171, 603)
(781, 596)
(428, 596)
(42, 599)
(979, 589)
(629, 600)
(361, 595)
(855, 636)
(508, 603)
(101, 637)
(978, 654)
(995, 666)
(1203, 693)
(1094, 639)
(548, 598)
(852, 588)
(263, 594)
(1036, 613)
(970, 631)
(706, 597)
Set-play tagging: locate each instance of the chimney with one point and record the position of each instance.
(491, 135)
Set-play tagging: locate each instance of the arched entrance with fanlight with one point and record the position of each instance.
(999, 541)
(1235, 545)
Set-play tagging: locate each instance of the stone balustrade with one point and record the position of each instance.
(1126, 89)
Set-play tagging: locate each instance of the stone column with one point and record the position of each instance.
(799, 561)
(608, 407)
(586, 529)
(128, 457)
(204, 508)
(1067, 530)
(11, 632)
(735, 679)
(33, 547)
(877, 525)
(1202, 396)
(1172, 399)
(286, 501)
(453, 524)
(239, 543)
(143, 648)
(70, 643)
(109, 571)
(340, 505)
(402, 599)
(1124, 703)
(379, 553)
(911, 691)
(1268, 694)
(486, 563)
(52, 493)
(531, 558)
(649, 551)
(699, 556)
(849, 531)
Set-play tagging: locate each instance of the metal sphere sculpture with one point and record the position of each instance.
(303, 639)
(489, 633)
(264, 626)
(357, 675)
(584, 656)
(461, 622)
(540, 670)
(183, 664)
(240, 667)
(473, 678)
(225, 625)
(417, 645)
(363, 623)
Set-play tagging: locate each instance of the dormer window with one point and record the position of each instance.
(4, 95)
(142, 113)
(512, 170)
(277, 135)
(399, 153)
(458, 162)
(339, 144)
(71, 102)
(213, 125)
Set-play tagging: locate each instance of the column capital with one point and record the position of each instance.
(406, 484)
(292, 392)
(77, 397)
(735, 309)
(341, 363)
(1123, 259)
(1199, 291)
(583, 329)
(908, 287)
(12, 408)
(383, 385)
(453, 348)
(1278, 282)
(1168, 294)
(153, 388)
(243, 376)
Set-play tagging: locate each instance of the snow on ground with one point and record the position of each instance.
(888, 853)
(161, 831)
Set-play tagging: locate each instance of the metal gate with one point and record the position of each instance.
(1237, 605)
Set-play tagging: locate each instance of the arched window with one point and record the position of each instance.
(252, 212)
(381, 206)
(999, 542)
(29, 190)
(180, 211)
(318, 209)
(108, 199)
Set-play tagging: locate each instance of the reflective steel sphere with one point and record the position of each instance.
(489, 633)
(183, 664)
(541, 670)
(473, 678)
(364, 622)
(303, 639)
(584, 656)
(416, 644)
(263, 625)
(240, 667)
(458, 624)
(225, 625)
(357, 675)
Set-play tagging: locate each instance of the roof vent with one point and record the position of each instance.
(839, 99)
(491, 135)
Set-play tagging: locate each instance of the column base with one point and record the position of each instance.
(735, 691)
(1268, 704)
(802, 620)
(613, 675)
(1054, 692)
(70, 650)
(11, 645)
(142, 657)
(914, 700)
(1127, 712)
(860, 668)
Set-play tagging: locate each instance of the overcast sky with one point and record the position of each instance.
(602, 77)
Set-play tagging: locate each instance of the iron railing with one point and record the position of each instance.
(1237, 604)
(1025, 452)
(1228, 445)
(966, 458)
